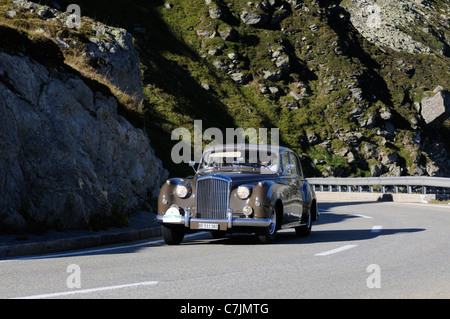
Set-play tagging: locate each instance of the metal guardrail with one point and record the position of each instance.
(405, 184)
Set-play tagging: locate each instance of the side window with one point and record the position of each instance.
(293, 161)
(298, 167)
(284, 161)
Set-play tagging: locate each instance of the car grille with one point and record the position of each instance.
(212, 198)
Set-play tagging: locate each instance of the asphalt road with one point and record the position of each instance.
(356, 250)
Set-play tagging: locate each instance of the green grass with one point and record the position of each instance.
(175, 63)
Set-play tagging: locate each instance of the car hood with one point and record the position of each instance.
(237, 177)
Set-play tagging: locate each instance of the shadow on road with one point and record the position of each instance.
(327, 216)
(285, 237)
(327, 206)
(288, 237)
(321, 236)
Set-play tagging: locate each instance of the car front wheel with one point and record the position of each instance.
(268, 234)
(172, 234)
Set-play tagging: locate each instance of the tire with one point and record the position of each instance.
(268, 234)
(304, 230)
(218, 234)
(173, 234)
(314, 212)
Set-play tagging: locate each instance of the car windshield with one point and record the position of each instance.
(264, 159)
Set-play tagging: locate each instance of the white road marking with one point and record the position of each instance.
(428, 205)
(91, 251)
(87, 291)
(376, 229)
(362, 216)
(337, 250)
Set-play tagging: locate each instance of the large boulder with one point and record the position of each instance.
(436, 109)
(382, 22)
(255, 18)
(116, 59)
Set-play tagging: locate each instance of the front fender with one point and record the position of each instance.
(267, 193)
(167, 196)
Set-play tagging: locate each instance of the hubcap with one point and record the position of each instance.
(273, 223)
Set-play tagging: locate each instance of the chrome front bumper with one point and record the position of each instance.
(231, 222)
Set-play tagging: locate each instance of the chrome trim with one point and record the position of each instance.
(259, 222)
(245, 222)
(216, 177)
(187, 218)
(230, 218)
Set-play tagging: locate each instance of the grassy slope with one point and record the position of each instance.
(175, 63)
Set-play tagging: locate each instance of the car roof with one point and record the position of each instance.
(247, 146)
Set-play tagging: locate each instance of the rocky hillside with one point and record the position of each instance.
(359, 88)
(68, 159)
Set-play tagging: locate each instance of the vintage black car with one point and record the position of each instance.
(239, 188)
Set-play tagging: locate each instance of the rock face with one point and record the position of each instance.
(253, 18)
(379, 22)
(116, 59)
(436, 109)
(110, 50)
(65, 153)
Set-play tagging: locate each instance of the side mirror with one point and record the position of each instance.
(192, 164)
(288, 168)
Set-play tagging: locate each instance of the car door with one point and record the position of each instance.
(298, 182)
(292, 202)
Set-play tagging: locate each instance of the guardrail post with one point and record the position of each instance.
(439, 186)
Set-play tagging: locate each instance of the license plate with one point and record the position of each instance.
(208, 226)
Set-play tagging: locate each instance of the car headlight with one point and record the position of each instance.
(247, 210)
(182, 191)
(243, 192)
